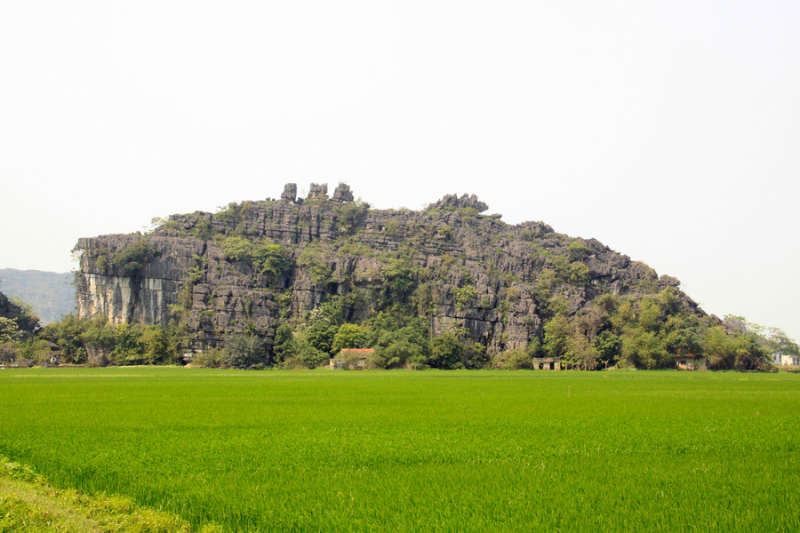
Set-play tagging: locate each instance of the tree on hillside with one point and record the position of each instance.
(445, 351)
(402, 354)
(9, 330)
(349, 336)
(740, 345)
(607, 346)
(244, 351)
(556, 335)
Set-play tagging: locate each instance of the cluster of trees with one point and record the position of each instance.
(130, 260)
(17, 324)
(615, 330)
(269, 259)
(651, 332)
(117, 344)
(73, 341)
(399, 340)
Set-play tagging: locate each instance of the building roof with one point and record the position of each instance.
(357, 350)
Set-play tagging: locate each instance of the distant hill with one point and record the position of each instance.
(50, 293)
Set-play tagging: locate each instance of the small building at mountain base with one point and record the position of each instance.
(546, 363)
(351, 359)
(690, 362)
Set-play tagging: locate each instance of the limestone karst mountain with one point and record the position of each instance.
(257, 264)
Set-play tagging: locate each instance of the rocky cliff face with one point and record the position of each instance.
(223, 272)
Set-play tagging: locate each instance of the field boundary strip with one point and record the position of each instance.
(29, 504)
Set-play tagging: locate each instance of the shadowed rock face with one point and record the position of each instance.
(468, 270)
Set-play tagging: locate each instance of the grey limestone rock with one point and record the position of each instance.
(342, 193)
(316, 190)
(452, 200)
(289, 192)
(668, 281)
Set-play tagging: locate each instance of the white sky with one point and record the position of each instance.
(668, 130)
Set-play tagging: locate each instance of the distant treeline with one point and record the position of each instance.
(614, 331)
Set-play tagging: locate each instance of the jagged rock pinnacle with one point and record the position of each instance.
(316, 190)
(289, 192)
(452, 200)
(343, 193)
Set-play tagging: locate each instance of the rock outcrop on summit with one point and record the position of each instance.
(289, 192)
(316, 191)
(255, 265)
(453, 201)
(342, 193)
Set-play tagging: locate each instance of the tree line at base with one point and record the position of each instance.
(614, 331)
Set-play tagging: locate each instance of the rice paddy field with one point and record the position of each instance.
(419, 451)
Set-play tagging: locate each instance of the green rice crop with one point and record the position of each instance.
(419, 451)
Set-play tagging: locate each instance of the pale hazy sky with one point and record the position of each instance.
(668, 130)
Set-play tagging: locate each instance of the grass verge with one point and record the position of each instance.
(29, 504)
